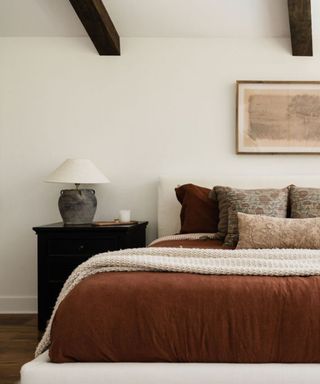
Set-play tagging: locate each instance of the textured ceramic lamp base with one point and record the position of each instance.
(77, 206)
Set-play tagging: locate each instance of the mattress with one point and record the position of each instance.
(41, 370)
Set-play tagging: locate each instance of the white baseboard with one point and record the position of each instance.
(18, 304)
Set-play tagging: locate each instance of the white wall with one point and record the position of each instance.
(165, 106)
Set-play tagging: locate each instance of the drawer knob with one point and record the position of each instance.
(81, 247)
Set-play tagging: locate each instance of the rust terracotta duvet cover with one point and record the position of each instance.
(185, 317)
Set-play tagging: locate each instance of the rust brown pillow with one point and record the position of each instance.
(199, 214)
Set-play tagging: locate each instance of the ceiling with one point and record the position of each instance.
(154, 18)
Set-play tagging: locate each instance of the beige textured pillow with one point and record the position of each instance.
(259, 231)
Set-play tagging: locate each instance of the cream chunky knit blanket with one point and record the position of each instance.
(270, 262)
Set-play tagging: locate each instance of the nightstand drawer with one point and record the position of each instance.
(83, 246)
(60, 267)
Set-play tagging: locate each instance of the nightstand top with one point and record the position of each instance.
(87, 227)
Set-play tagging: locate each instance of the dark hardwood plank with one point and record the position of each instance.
(300, 27)
(99, 25)
(18, 339)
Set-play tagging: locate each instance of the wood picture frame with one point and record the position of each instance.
(278, 117)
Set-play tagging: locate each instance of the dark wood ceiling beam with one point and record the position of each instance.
(300, 27)
(99, 25)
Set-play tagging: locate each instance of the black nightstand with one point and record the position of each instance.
(62, 248)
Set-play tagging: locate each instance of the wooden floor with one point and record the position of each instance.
(18, 338)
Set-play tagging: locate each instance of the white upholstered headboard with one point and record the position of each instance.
(169, 207)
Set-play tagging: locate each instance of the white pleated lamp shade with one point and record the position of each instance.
(77, 171)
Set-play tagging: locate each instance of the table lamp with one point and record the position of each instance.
(77, 206)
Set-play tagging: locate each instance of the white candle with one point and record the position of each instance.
(124, 215)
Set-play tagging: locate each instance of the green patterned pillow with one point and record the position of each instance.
(219, 194)
(304, 202)
(269, 202)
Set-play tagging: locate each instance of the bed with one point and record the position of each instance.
(41, 370)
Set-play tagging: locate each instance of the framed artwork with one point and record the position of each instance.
(278, 117)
